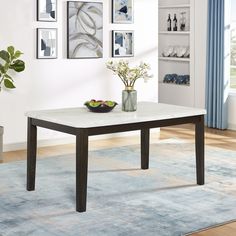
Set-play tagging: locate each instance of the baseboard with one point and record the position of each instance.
(41, 143)
(232, 126)
(69, 140)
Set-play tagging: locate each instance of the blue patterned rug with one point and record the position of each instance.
(122, 199)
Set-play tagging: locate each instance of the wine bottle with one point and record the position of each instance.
(175, 28)
(169, 23)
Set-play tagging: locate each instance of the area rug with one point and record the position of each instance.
(122, 199)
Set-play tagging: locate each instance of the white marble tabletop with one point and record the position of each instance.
(81, 117)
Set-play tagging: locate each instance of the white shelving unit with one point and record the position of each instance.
(175, 32)
(177, 94)
(174, 6)
(174, 59)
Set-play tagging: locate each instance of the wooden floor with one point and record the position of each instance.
(222, 139)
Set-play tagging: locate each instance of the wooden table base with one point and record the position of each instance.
(82, 137)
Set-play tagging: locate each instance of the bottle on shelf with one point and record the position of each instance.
(169, 23)
(175, 21)
(182, 21)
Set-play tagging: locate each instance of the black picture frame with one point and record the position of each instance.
(115, 53)
(39, 11)
(39, 44)
(114, 10)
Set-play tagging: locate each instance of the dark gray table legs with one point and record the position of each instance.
(81, 170)
(145, 136)
(31, 155)
(199, 143)
(82, 149)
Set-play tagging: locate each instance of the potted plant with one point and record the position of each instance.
(129, 76)
(9, 61)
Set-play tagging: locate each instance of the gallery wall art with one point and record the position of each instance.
(47, 10)
(122, 11)
(84, 29)
(46, 43)
(122, 43)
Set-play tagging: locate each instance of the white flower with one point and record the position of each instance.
(129, 75)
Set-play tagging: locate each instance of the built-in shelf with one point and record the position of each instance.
(174, 6)
(174, 59)
(173, 84)
(175, 32)
(172, 93)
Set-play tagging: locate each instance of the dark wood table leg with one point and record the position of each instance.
(199, 142)
(31, 155)
(81, 170)
(145, 136)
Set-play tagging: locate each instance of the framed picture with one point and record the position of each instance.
(46, 43)
(47, 10)
(84, 29)
(122, 43)
(122, 11)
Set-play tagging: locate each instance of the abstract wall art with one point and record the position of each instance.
(47, 10)
(46, 43)
(122, 11)
(84, 29)
(122, 43)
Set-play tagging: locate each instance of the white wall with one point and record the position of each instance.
(232, 112)
(200, 51)
(60, 83)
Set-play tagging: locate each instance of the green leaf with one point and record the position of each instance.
(11, 50)
(6, 67)
(8, 84)
(5, 56)
(18, 66)
(2, 69)
(17, 54)
(8, 77)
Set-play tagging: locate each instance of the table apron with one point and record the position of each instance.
(117, 128)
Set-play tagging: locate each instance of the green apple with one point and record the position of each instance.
(94, 104)
(110, 103)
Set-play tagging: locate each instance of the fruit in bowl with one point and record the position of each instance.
(100, 105)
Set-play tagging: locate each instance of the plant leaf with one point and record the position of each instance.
(18, 66)
(11, 50)
(2, 69)
(8, 77)
(5, 56)
(17, 54)
(8, 84)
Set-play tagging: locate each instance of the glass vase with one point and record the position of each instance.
(129, 99)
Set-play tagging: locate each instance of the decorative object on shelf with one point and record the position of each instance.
(122, 11)
(47, 43)
(177, 79)
(182, 21)
(122, 43)
(100, 106)
(129, 76)
(10, 57)
(169, 52)
(84, 29)
(175, 27)
(47, 10)
(169, 27)
(176, 51)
